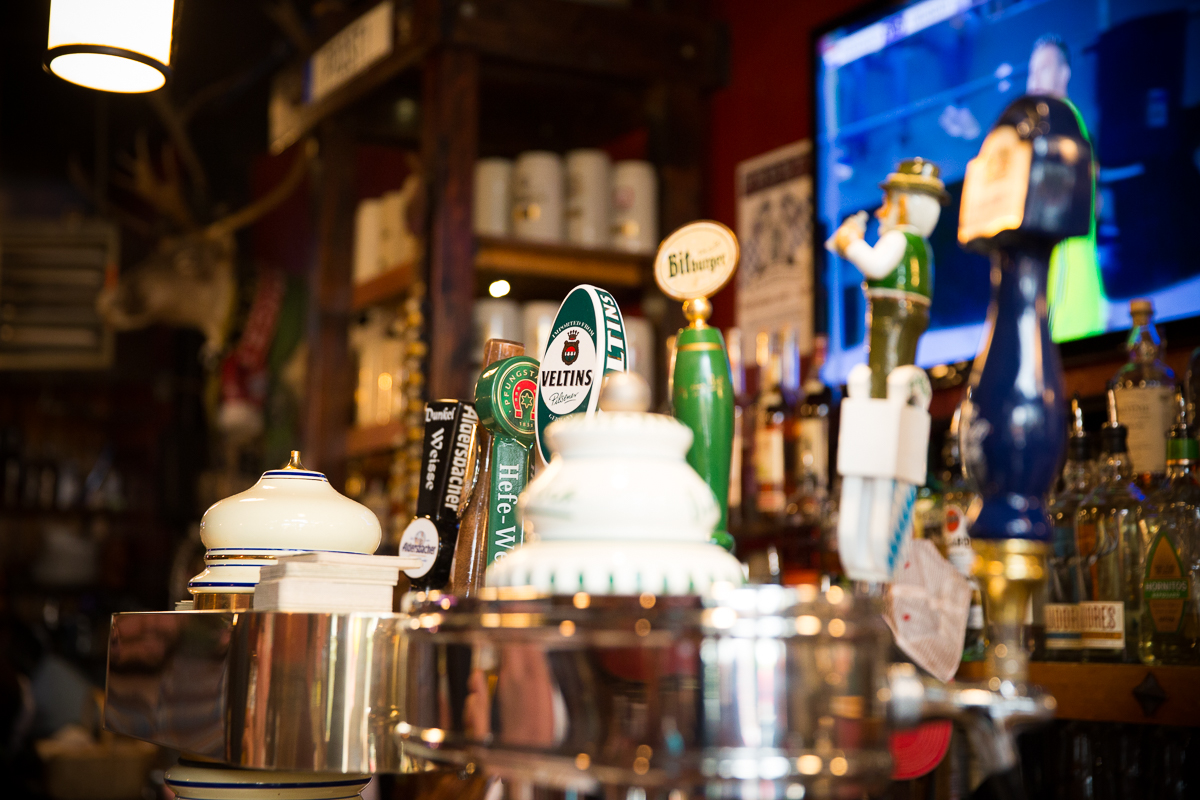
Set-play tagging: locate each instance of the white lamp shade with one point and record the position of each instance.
(111, 45)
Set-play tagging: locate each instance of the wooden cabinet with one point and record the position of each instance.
(490, 77)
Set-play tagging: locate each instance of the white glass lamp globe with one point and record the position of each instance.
(111, 45)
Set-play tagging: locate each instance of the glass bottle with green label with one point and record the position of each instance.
(1169, 624)
(1064, 582)
(1110, 535)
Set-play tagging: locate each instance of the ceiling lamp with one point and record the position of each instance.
(111, 45)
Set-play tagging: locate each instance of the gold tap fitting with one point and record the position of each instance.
(1008, 571)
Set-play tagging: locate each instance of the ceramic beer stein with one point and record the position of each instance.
(493, 196)
(289, 510)
(634, 207)
(588, 197)
(192, 780)
(537, 188)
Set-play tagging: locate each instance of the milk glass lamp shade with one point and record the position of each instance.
(111, 45)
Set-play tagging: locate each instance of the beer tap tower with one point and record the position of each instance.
(1029, 188)
(713, 690)
(884, 433)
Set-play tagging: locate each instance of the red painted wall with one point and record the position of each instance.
(768, 102)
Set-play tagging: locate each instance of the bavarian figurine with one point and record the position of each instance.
(899, 268)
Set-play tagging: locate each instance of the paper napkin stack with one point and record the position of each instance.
(332, 583)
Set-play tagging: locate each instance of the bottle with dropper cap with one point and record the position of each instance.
(1064, 582)
(1110, 534)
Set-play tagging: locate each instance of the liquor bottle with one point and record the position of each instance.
(1169, 624)
(770, 422)
(431, 535)
(1110, 535)
(790, 388)
(1191, 385)
(955, 544)
(737, 380)
(809, 504)
(470, 551)
(812, 427)
(1145, 395)
(1064, 583)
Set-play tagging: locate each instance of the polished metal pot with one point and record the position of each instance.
(750, 692)
(766, 686)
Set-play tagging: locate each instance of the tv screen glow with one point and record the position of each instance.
(930, 78)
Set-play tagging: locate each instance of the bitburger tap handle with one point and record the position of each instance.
(692, 264)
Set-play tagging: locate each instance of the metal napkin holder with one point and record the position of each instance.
(762, 685)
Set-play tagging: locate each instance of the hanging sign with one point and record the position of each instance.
(774, 224)
(350, 52)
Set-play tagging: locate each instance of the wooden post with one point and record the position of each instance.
(328, 410)
(677, 122)
(450, 141)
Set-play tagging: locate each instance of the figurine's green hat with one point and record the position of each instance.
(918, 175)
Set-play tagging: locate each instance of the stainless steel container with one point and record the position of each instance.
(756, 692)
(760, 691)
(269, 690)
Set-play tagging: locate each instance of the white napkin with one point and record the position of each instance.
(927, 608)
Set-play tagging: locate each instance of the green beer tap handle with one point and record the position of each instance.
(703, 400)
(505, 397)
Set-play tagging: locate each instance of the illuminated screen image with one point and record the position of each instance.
(929, 79)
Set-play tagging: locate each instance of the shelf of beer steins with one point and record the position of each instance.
(509, 258)
(1129, 693)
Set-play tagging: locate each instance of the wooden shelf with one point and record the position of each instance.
(387, 285)
(1104, 692)
(606, 268)
(625, 45)
(374, 439)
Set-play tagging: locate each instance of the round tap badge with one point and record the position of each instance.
(587, 340)
(696, 260)
(420, 540)
(506, 396)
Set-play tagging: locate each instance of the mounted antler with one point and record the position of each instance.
(189, 282)
(164, 194)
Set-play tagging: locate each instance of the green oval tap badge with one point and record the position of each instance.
(506, 397)
(696, 260)
(587, 341)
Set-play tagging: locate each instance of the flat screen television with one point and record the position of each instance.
(929, 78)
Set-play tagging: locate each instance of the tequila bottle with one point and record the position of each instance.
(1064, 582)
(1169, 611)
(1110, 535)
(1145, 397)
